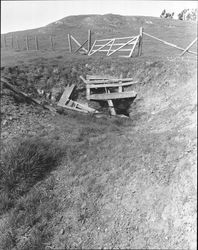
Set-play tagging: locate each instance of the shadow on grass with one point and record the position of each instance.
(23, 165)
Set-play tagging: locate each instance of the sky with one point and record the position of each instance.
(22, 15)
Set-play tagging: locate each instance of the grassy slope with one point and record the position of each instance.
(178, 32)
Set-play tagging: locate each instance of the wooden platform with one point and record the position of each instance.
(112, 96)
(113, 89)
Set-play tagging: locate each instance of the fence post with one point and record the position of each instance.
(36, 43)
(27, 43)
(17, 43)
(12, 42)
(69, 41)
(52, 43)
(140, 42)
(89, 40)
(5, 42)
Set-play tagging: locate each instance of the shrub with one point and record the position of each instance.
(23, 165)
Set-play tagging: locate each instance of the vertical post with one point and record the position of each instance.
(52, 44)
(27, 43)
(17, 41)
(12, 42)
(36, 43)
(5, 42)
(140, 42)
(69, 41)
(89, 40)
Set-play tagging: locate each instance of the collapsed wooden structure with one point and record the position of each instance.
(68, 103)
(112, 89)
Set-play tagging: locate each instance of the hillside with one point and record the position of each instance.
(177, 32)
(74, 181)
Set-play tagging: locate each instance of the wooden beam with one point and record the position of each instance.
(130, 55)
(110, 103)
(12, 42)
(97, 77)
(105, 81)
(102, 46)
(36, 43)
(111, 96)
(69, 42)
(89, 40)
(52, 42)
(188, 47)
(121, 46)
(66, 94)
(24, 95)
(117, 38)
(113, 85)
(5, 42)
(89, 53)
(78, 43)
(80, 47)
(140, 42)
(169, 44)
(27, 43)
(17, 41)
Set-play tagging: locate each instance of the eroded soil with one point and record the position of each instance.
(132, 183)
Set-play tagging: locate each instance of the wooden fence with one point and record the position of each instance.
(29, 42)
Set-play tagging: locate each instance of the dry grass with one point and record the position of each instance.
(23, 165)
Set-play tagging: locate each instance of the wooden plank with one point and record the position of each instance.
(89, 40)
(75, 109)
(117, 38)
(15, 90)
(105, 81)
(17, 41)
(5, 42)
(120, 47)
(110, 103)
(36, 43)
(73, 105)
(80, 47)
(140, 42)
(115, 44)
(92, 52)
(120, 89)
(188, 47)
(110, 47)
(78, 43)
(97, 77)
(111, 96)
(12, 42)
(113, 85)
(52, 42)
(89, 54)
(169, 44)
(130, 55)
(66, 94)
(27, 43)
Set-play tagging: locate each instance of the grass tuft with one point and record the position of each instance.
(23, 165)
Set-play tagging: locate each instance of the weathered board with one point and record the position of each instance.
(111, 96)
(66, 94)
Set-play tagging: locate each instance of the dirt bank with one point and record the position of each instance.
(123, 183)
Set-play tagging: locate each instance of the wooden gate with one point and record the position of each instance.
(113, 45)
